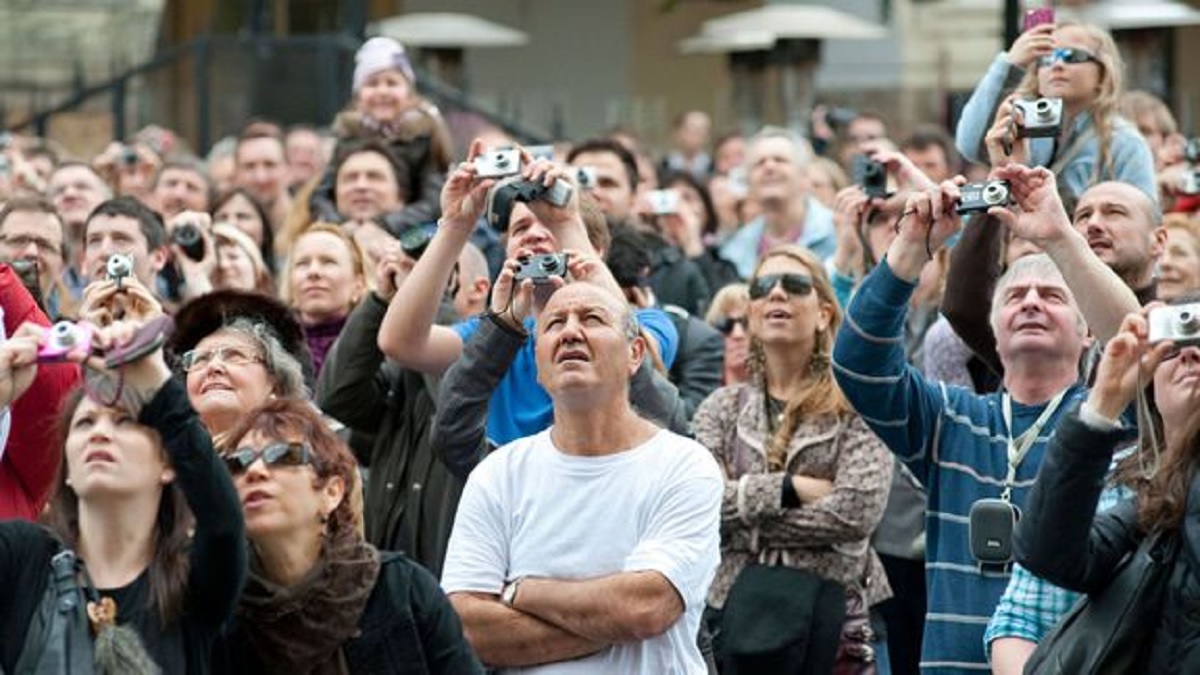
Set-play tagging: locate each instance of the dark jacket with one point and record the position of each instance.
(411, 497)
(700, 360)
(408, 627)
(676, 280)
(1062, 539)
(460, 431)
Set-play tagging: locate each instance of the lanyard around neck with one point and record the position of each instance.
(1019, 447)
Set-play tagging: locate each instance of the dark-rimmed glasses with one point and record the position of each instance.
(726, 324)
(275, 454)
(793, 284)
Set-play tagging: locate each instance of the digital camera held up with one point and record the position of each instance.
(542, 268)
(189, 238)
(585, 177)
(979, 197)
(663, 202)
(119, 267)
(505, 194)
(871, 176)
(61, 339)
(1041, 118)
(1178, 323)
(498, 163)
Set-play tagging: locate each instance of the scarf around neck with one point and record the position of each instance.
(301, 629)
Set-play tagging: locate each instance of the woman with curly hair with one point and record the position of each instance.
(1080, 65)
(805, 479)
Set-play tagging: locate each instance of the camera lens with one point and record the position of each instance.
(995, 193)
(63, 334)
(1188, 322)
(189, 239)
(548, 263)
(1043, 108)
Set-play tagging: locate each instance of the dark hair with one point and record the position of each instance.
(628, 259)
(148, 220)
(168, 571)
(267, 247)
(1162, 498)
(928, 136)
(292, 419)
(357, 146)
(191, 165)
(710, 211)
(599, 145)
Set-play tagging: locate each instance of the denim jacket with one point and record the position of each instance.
(1132, 161)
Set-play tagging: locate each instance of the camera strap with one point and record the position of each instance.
(1019, 447)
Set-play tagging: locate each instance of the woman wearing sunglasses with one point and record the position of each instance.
(806, 481)
(319, 599)
(145, 534)
(727, 314)
(1079, 64)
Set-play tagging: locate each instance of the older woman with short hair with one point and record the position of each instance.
(320, 599)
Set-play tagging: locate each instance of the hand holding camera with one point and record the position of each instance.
(1002, 144)
(524, 282)
(392, 269)
(929, 219)
(1136, 351)
(18, 361)
(191, 239)
(1033, 44)
(119, 298)
(1040, 216)
(464, 196)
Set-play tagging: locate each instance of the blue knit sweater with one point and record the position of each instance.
(955, 441)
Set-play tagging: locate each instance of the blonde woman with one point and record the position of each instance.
(324, 282)
(805, 480)
(1079, 64)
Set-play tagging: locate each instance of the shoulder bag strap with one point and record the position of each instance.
(59, 639)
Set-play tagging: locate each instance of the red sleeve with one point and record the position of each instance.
(32, 455)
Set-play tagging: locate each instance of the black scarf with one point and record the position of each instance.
(301, 629)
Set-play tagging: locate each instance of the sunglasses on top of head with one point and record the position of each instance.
(275, 454)
(1069, 56)
(793, 284)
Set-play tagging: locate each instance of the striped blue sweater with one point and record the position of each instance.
(956, 442)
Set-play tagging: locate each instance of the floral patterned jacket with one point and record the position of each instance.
(829, 537)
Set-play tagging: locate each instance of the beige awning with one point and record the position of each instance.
(761, 28)
(1132, 14)
(448, 30)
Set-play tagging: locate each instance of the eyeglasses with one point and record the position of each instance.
(1069, 56)
(726, 324)
(793, 284)
(275, 454)
(194, 359)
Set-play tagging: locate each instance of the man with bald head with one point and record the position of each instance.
(588, 547)
(1123, 227)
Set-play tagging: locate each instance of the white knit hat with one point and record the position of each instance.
(379, 54)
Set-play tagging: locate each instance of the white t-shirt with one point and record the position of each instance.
(531, 510)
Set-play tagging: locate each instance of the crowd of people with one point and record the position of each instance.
(353, 399)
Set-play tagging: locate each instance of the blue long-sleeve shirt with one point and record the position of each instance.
(1132, 161)
(956, 443)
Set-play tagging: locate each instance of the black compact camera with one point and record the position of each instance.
(189, 238)
(871, 175)
(415, 240)
(542, 268)
(505, 194)
(1041, 118)
(129, 156)
(991, 526)
(979, 197)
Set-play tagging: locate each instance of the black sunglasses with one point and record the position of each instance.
(726, 324)
(1069, 56)
(793, 284)
(275, 454)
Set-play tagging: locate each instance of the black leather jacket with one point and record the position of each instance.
(1062, 539)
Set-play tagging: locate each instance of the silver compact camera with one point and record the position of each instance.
(498, 163)
(663, 202)
(1189, 184)
(979, 197)
(1178, 323)
(1041, 117)
(542, 268)
(119, 267)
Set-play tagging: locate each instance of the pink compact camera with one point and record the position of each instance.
(63, 338)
